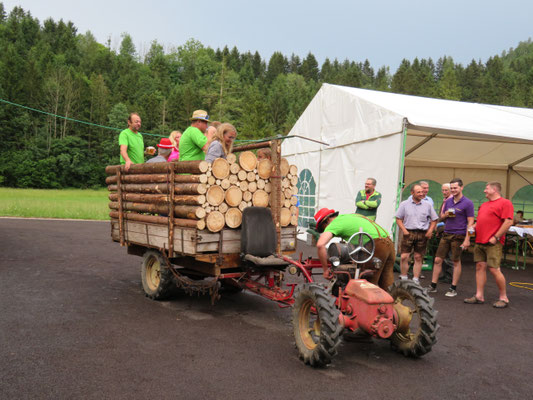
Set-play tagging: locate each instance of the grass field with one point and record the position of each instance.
(65, 203)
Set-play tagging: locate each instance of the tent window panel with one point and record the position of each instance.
(523, 200)
(307, 198)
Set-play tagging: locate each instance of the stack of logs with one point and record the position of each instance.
(204, 195)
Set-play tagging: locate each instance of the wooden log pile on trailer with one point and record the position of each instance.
(207, 198)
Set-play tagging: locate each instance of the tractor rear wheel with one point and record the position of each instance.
(316, 325)
(417, 324)
(156, 277)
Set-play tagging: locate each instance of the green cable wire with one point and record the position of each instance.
(72, 119)
(119, 130)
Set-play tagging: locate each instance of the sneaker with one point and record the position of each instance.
(431, 289)
(451, 293)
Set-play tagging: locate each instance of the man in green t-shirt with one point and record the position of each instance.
(131, 142)
(330, 224)
(194, 143)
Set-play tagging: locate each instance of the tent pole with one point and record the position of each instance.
(401, 183)
(508, 183)
(509, 169)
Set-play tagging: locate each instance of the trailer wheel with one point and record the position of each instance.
(417, 319)
(316, 325)
(156, 277)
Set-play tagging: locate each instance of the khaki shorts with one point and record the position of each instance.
(453, 242)
(416, 240)
(489, 253)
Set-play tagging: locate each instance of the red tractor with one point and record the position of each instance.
(404, 315)
(321, 312)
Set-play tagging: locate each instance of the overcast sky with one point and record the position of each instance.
(383, 31)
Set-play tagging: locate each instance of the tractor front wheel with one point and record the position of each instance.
(316, 325)
(417, 319)
(156, 277)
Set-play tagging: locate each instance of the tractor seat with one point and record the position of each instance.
(259, 238)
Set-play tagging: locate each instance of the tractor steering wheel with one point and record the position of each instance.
(361, 254)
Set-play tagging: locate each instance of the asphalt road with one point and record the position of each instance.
(74, 323)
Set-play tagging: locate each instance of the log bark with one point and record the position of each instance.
(157, 178)
(179, 188)
(188, 212)
(152, 219)
(252, 146)
(187, 167)
(141, 198)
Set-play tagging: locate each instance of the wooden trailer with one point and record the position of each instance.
(184, 217)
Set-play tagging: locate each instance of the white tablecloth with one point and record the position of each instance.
(521, 231)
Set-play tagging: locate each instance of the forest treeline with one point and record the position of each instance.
(49, 66)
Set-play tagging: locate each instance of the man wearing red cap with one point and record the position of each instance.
(163, 152)
(330, 224)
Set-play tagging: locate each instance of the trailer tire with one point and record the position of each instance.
(157, 279)
(414, 337)
(316, 339)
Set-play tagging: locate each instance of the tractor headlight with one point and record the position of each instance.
(335, 261)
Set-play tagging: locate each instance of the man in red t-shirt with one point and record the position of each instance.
(493, 219)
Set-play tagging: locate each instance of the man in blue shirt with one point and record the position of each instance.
(417, 219)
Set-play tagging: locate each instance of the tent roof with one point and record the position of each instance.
(453, 117)
(454, 133)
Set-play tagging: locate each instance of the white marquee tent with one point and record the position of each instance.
(398, 138)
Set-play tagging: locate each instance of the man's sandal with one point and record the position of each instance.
(500, 304)
(474, 300)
